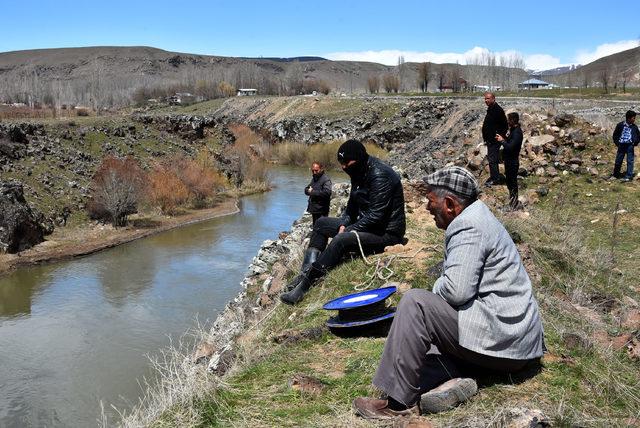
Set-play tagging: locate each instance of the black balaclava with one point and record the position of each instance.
(353, 150)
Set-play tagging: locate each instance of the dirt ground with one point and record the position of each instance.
(67, 242)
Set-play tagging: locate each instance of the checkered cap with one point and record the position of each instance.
(454, 178)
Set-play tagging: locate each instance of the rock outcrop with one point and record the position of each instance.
(20, 226)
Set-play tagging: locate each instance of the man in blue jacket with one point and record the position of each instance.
(626, 137)
(374, 219)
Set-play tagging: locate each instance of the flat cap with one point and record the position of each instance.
(454, 178)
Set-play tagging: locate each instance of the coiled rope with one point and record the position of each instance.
(381, 269)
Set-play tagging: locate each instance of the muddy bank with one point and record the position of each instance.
(69, 243)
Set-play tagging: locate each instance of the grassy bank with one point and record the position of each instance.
(583, 273)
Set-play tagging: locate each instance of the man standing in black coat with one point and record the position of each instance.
(495, 122)
(319, 192)
(373, 219)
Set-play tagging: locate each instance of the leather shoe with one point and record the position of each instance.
(374, 408)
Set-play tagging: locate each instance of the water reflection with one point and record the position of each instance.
(75, 333)
(17, 290)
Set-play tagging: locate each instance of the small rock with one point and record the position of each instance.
(306, 384)
(574, 341)
(525, 418)
(204, 351)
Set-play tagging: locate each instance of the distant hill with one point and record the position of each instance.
(110, 76)
(622, 68)
(553, 71)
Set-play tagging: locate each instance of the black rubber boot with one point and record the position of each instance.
(300, 284)
(310, 256)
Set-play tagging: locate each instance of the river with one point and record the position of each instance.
(78, 332)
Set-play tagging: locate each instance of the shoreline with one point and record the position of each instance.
(68, 244)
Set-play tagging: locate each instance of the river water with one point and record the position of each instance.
(78, 332)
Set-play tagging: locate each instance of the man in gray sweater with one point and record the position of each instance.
(481, 316)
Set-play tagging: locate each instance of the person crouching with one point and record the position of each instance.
(373, 219)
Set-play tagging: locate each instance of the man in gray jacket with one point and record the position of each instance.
(481, 315)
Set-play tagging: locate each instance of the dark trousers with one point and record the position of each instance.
(624, 150)
(422, 350)
(493, 157)
(343, 243)
(316, 216)
(511, 167)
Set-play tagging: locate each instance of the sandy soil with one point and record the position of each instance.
(66, 243)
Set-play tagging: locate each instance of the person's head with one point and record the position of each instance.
(353, 157)
(630, 116)
(449, 191)
(317, 169)
(489, 98)
(513, 119)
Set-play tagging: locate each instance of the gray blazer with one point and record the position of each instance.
(485, 281)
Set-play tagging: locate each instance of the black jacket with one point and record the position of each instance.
(495, 122)
(635, 134)
(376, 203)
(320, 194)
(512, 144)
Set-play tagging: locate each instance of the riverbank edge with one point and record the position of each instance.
(79, 247)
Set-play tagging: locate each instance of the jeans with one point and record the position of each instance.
(343, 243)
(628, 150)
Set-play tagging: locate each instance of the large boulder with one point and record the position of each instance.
(535, 144)
(19, 225)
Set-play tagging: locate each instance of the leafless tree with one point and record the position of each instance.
(605, 77)
(116, 190)
(391, 83)
(423, 76)
(373, 84)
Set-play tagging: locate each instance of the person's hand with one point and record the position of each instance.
(341, 229)
(499, 138)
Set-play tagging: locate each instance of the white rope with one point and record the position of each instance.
(380, 270)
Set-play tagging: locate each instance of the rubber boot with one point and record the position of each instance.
(301, 284)
(310, 256)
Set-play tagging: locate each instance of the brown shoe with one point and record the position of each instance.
(374, 408)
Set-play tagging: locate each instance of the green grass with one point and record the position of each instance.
(589, 387)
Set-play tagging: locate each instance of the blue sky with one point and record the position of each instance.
(545, 33)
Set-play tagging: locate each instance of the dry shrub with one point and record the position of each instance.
(166, 189)
(226, 89)
(116, 190)
(82, 112)
(202, 182)
(292, 153)
(249, 141)
(391, 83)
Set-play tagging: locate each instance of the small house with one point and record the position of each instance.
(247, 92)
(182, 98)
(533, 84)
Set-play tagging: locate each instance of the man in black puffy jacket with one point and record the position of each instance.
(319, 192)
(374, 218)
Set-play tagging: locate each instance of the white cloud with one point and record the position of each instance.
(536, 61)
(542, 62)
(585, 57)
(390, 57)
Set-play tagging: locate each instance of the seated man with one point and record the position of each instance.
(375, 212)
(480, 316)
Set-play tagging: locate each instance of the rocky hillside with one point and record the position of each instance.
(55, 160)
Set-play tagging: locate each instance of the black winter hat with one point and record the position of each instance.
(352, 150)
